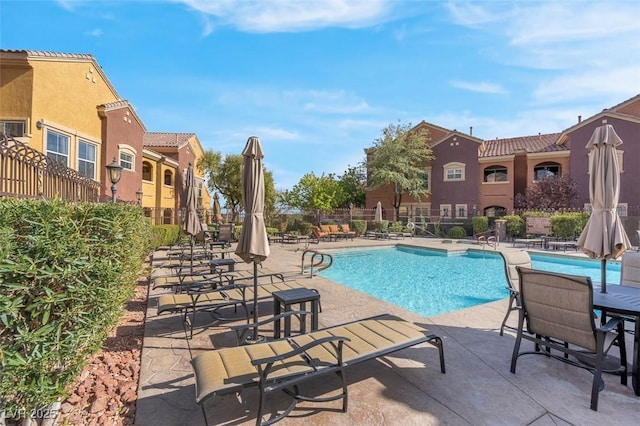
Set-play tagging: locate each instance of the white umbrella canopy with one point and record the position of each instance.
(604, 236)
(378, 216)
(253, 244)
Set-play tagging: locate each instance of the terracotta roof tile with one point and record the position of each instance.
(529, 144)
(47, 54)
(159, 139)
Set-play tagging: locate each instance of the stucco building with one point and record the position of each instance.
(64, 106)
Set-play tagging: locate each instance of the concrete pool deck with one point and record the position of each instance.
(405, 388)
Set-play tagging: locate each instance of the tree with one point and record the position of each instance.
(315, 193)
(550, 192)
(354, 183)
(225, 176)
(399, 158)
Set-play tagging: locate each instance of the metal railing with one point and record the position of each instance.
(26, 172)
(317, 259)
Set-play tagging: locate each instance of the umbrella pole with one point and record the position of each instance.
(255, 300)
(603, 276)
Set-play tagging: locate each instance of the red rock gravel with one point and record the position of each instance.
(107, 390)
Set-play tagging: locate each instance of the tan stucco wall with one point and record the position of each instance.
(66, 94)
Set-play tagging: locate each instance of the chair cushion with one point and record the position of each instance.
(334, 228)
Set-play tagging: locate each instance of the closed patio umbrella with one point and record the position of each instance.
(191, 224)
(378, 216)
(604, 236)
(217, 211)
(253, 243)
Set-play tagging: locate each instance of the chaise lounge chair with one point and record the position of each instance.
(191, 302)
(284, 364)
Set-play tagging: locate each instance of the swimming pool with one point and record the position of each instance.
(432, 282)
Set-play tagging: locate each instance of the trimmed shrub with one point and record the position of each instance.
(396, 227)
(480, 224)
(304, 228)
(457, 232)
(515, 225)
(358, 225)
(381, 226)
(164, 235)
(567, 225)
(66, 272)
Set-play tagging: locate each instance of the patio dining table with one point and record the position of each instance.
(623, 300)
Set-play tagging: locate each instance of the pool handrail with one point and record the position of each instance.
(317, 260)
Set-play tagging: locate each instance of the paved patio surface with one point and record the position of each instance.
(405, 388)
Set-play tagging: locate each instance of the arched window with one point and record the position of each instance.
(168, 177)
(147, 171)
(548, 169)
(454, 172)
(495, 174)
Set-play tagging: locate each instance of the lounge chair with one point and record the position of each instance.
(319, 234)
(558, 311)
(513, 259)
(193, 301)
(284, 364)
(347, 232)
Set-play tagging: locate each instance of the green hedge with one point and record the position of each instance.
(568, 225)
(457, 232)
(358, 225)
(480, 224)
(515, 225)
(164, 235)
(66, 272)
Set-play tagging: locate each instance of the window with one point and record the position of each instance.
(495, 174)
(126, 160)
(445, 210)
(147, 171)
(168, 177)
(427, 179)
(167, 216)
(87, 159)
(58, 147)
(454, 172)
(461, 211)
(546, 170)
(13, 128)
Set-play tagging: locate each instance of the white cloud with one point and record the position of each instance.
(95, 33)
(292, 15)
(481, 87)
(574, 50)
(612, 84)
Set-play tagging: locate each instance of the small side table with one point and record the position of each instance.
(216, 263)
(285, 299)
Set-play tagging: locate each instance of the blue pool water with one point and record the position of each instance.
(431, 282)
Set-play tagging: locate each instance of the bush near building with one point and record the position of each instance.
(66, 272)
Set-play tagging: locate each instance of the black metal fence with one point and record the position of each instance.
(25, 172)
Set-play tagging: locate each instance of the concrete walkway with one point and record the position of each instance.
(406, 388)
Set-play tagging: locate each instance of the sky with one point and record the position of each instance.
(318, 80)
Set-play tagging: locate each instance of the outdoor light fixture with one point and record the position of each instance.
(115, 173)
(139, 195)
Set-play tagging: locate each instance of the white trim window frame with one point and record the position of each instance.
(87, 158)
(58, 146)
(445, 211)
(127, 159)
(454, 172)
(13, 127)
(461, 211)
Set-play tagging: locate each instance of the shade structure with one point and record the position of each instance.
(217, 211)
(253, 243)
(378, 216)
(604, 236)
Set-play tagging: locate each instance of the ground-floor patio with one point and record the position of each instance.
(404, 388)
